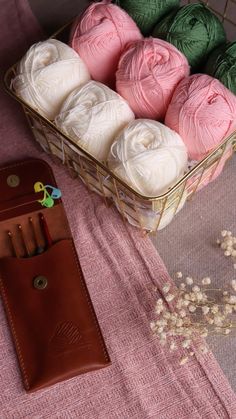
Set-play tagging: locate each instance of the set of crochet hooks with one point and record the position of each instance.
(19, 240)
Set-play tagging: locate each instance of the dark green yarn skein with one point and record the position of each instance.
(147, 13)
(194, 30)
(221, 64)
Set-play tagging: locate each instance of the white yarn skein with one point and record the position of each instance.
(93, 115)
(47, 73)
(148, 156)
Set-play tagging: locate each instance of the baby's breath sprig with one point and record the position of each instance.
(191, 310)
(228, 244)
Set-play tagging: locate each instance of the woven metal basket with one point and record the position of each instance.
(148, 213)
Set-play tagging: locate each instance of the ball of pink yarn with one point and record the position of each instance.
(203, 112)
(100, 36)
(148, 72)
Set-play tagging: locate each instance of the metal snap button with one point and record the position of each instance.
(13, 181)
(40, 282)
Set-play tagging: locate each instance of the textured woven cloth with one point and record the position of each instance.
(195, 253)
(122, 271)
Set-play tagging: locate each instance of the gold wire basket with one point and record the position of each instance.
(148, 213)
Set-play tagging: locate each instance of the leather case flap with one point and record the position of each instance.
(17, 181)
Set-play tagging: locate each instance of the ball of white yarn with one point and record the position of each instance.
(92, 116)
(47, 73)
(148, 156)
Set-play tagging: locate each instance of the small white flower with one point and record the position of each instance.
(186, 303)
(169, 297)
(215, 309)
(227, 253)
(224, 233)
(159, 309)
(225, 293)
(191, 353)
(192, 296)
(204, 297)
(218, 320)
(189, 280)
(228, 309)
(183, 360)
(206, 280)
(166, 288)
(179, 274)
(182, 286)
(227, 331)
(173, 346)
(232, 299)
(233, 284)
(196, 288)
(160, 329)
(186, 343)
(192, 308)
(223, 246)
(182, 313)
(218, 241)
(160, 301)
(199, 296)
(205, 310)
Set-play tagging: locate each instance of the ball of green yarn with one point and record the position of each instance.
(222, 65)
(194, 30)
(146, 13)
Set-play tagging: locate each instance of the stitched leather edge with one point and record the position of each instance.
(15, 338)
(89, 302)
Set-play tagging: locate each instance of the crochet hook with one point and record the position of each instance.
(39, 249)
(45, 230)
(10, 235)
(23, 240)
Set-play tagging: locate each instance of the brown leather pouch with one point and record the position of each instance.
(50, 314)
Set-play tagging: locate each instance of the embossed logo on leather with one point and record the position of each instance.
(67, 336)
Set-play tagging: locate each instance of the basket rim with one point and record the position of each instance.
(170, 191)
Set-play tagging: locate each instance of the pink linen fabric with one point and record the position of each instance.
(122, 271)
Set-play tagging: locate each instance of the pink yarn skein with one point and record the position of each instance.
(100, 36)
(203, 112)
(148, 72)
